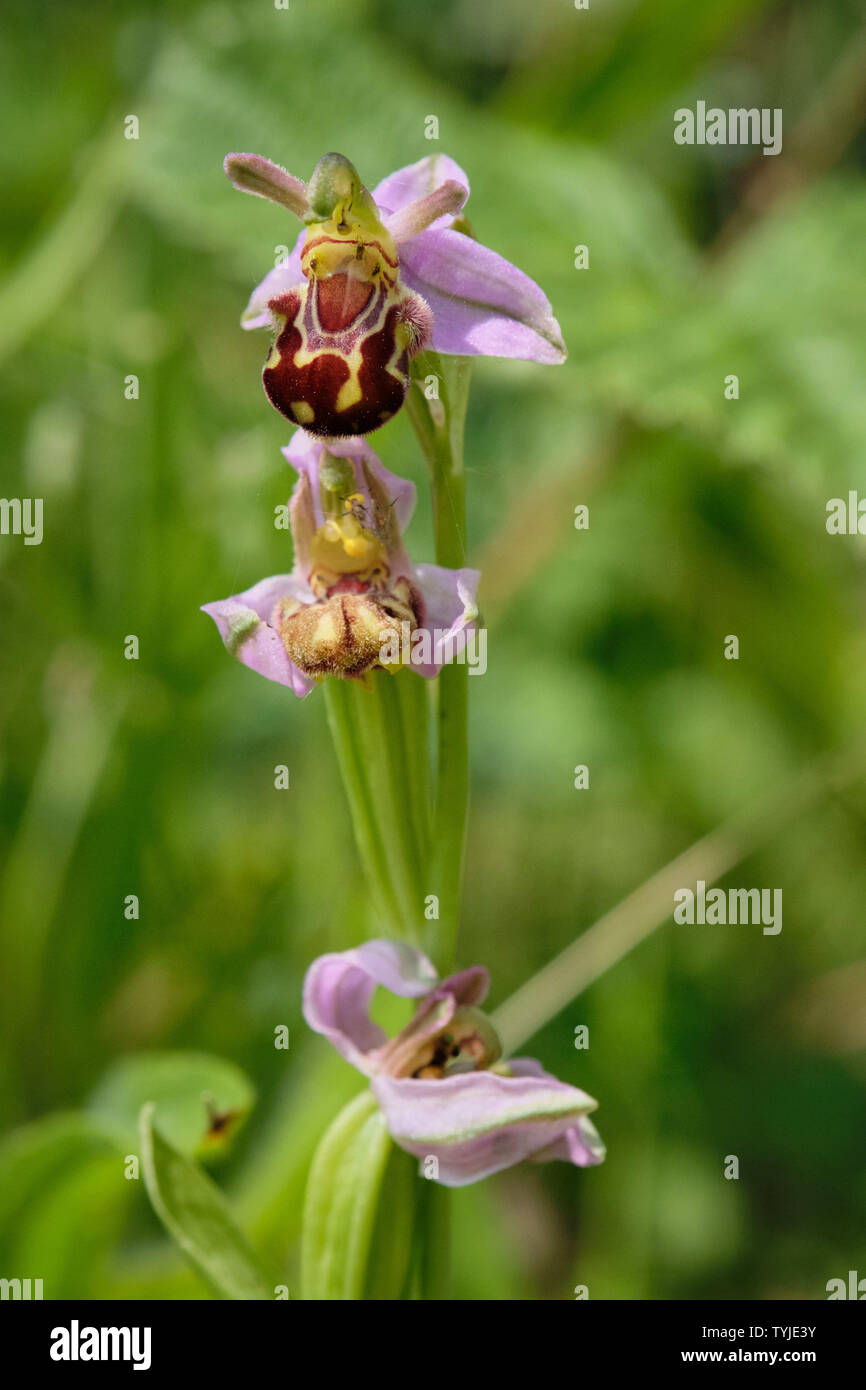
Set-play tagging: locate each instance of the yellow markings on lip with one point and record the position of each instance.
(328, 631)
(349, 394)
(303, 412)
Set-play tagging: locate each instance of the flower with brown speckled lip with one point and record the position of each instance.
(373, 280)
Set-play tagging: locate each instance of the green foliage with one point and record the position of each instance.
(199, 1102)
(196, 1215)
(62, 1200)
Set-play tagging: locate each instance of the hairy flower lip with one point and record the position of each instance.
(339, 636)
(475, 1122)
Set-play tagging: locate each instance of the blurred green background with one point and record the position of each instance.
(707, 517)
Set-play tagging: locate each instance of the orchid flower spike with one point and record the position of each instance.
(354, 601)
(372, 280)
(442, 1087)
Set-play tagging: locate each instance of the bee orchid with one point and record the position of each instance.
(372, 280)
(354, 601)
(442, 1087)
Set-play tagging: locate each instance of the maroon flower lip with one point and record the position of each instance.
(340, 300)
(323, 343)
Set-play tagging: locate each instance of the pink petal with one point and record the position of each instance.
(417, 181)
(278, 281)
(450, 608)
(252, 173)
(338, 989)
(482, 304)
(304, 453)
(438, 208)
(468, 987)
(263, 596)
(581, 1145)
(255, 644)
(480, 1122)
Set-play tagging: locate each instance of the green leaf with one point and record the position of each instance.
(351, 1249)
(62, 1200)
(200, 1101)
(195, 1214)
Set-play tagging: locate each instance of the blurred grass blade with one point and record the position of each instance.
(650, 905)
(44, 275)
(195, 1214)
(79, 740)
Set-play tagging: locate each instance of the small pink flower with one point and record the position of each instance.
(372, 280)
(354, 601)
(440, 1084)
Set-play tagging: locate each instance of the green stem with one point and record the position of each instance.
(433, 1242)
(439, 425)
(368, 835)
(376, 744)
(410, 711)
(383, 755)
(452, 800)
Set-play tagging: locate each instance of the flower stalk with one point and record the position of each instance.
(439, 424)
(379, 729)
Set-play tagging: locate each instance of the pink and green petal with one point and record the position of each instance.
(304, 453)
(252, 173)
(478, 1123)
(582, 1145)
(284, 277)
(450, 606)
(483, 306)
(255, 644)
(338, 989)
(417, 181)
